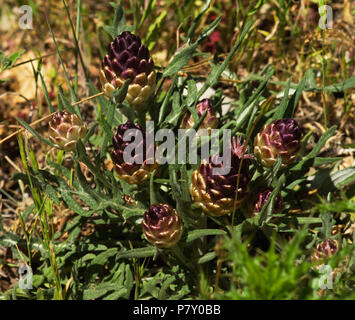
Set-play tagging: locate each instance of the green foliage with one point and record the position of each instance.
(8, 62)
(114, 261)
(282, 272)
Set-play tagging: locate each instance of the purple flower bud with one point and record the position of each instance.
(279, 138)
(139, 168)
(65, 129)
(210, 122)
(325, 249)
(128, 58)
(162, 225)
(215, 194)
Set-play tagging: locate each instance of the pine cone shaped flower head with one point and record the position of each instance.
(141, 165)
(279, 138)
(128, 58)
(325, 249)
(162, 225)
(215, 194)
(210, 122)
(259, 201)
(65, 129)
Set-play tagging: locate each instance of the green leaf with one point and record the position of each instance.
(153, 30)
(341, 86)
(293, 102)
(281, 109)
(327, 223)
(51, 110)
(318, 161)
(343, 177)
(119, 22)
(52, 194)
(120, 93)
(338, 206)
(182, 58)
(102, 289)
(153, 197)
(207, 257)
(216, 72)
(199, 233)
(303, 165)
(137, 253)
(35, 133)
(80, 148)
(267, 209)
(337, 87)
(8, 62)
(197, 20)
(191, 92)
(164, 105)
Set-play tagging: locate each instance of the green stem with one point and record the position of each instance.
(180, 255)
(141, 118)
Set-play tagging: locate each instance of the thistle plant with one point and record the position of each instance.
(138, 225)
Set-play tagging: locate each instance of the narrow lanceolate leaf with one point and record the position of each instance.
(216, 72)
(153, 197)
(337, 87)
(182, 58)
(51, 109)
(304, 162)
(292, 104)
(34, 132)
(266, 212)
(197, 20)
(343, 177)
(137, 253)
(281, 109)
(338, 206)
(200, 233)
(119, 22)
(207, 257)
